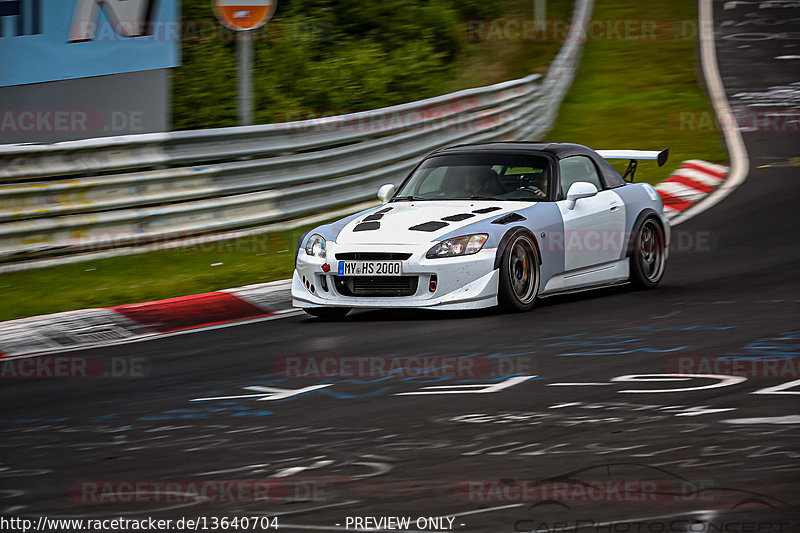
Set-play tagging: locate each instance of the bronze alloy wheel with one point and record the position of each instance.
(519, 274)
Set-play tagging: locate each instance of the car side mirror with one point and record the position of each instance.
(578, 190)
(386, 192)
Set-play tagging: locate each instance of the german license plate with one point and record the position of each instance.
(370, 268)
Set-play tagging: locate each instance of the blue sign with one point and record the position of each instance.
(49, 40)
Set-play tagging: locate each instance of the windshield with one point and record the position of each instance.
(487, 176)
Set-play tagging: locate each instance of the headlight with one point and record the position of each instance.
(466, 245)
(316, 246)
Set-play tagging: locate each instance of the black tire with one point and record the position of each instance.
(519, 274)
(649, 255)
(327, 313)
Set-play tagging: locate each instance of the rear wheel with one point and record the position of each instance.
(649, 256)
(519, 274)
(327, 313)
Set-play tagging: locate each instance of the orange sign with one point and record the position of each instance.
(244, 14)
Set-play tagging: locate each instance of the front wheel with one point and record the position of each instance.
(519, 274)
(649, 256)
(327, 313)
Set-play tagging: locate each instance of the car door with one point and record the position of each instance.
(594, 228)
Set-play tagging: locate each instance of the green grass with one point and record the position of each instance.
(630, 94)
(150, 276)
(496, 58)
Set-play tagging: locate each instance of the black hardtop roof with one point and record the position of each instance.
(560, 150)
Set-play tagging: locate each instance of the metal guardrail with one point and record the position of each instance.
(81, 197)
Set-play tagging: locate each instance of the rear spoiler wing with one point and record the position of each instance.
(634, 156)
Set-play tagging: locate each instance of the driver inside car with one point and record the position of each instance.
(532, 181)
(539, 183)
(482, 181)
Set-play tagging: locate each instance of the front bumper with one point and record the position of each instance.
(466, 282)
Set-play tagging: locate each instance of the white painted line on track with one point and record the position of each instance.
(740, 162)
(485, 510)
(788, 419)
(340, 528)
(309, 509)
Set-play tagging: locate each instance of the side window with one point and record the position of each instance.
(577, 168)
(432, 182)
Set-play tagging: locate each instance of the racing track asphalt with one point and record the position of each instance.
(731, 289)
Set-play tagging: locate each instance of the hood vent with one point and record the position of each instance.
(486, 210)
(509, 218)
(429, 226)
(367, 226)
(459, 217)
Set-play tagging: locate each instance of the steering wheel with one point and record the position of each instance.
(535, 190)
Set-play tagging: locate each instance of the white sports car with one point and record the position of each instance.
(491, 224)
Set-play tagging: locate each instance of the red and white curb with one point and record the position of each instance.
(110, 325)
(690, 183)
